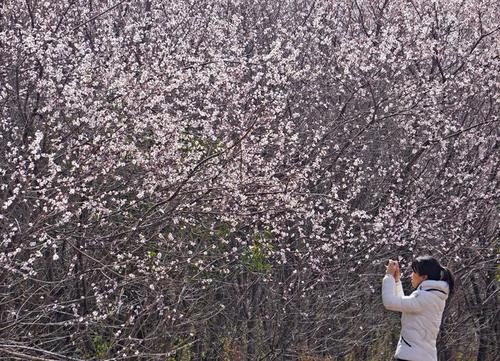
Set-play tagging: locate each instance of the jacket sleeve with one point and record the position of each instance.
(398, 302)
(399, 289)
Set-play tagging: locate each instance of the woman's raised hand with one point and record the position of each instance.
(393, 269)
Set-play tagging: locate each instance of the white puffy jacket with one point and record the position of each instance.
(422, 312)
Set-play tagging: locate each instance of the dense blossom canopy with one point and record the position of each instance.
(211, 178)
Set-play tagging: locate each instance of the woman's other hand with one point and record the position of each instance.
(397, 274)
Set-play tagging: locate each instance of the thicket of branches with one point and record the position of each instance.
(209, 180)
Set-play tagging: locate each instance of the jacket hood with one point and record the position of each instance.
(440, 288)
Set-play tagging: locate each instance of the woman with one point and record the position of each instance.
(422, 310)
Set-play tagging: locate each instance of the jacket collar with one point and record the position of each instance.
(439, 288)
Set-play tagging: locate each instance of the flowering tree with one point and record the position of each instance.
(212, 179)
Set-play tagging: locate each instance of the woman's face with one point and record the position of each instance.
(417, 279)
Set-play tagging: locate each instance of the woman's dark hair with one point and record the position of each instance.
(430, 267)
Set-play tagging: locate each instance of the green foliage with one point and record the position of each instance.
(101, 346)
(223, 230)
(255, 258)
(195, 144)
